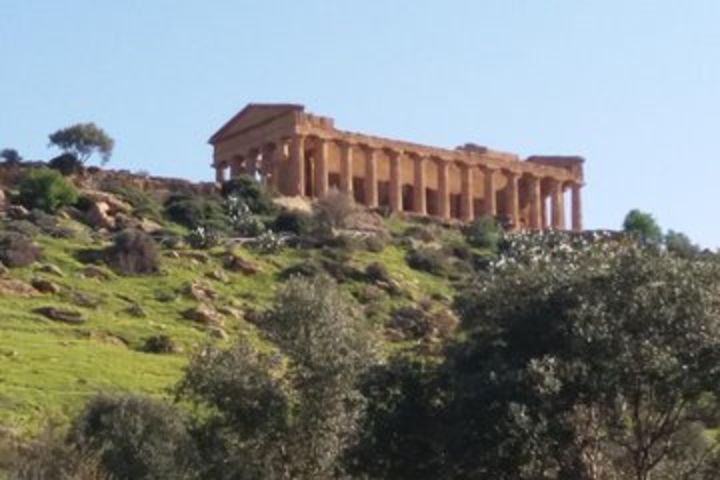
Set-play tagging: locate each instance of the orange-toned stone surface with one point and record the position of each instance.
(302, 154)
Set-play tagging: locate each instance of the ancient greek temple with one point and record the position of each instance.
(301, 154)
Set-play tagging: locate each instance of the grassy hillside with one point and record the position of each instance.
(48, 369)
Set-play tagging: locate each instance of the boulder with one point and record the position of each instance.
(204, 314)
(65, 316)
(200, 292)
(218, 332)
(51, 269)
(45, 286)
(93, 271)
(3, 201)
(98, 215)
(231, 312)
(115, 205)
(236, 263)
(15, 288)
(218, 275)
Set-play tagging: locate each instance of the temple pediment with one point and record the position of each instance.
(253, 115)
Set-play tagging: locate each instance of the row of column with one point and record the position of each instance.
(538, 213)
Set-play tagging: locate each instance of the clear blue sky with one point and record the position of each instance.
(633, 85)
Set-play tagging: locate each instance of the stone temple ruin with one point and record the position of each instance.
(301, 154)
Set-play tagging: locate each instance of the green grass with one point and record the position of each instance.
(48, 370)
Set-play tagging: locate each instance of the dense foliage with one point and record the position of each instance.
(82, 140)
(46, 190)
(133, 252)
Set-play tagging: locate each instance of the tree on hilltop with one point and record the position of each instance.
(83, 140)
(10, 155)
(644, 226)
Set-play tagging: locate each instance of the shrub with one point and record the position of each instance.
(430, 260)
(251, 192)
(160, 344)
(136, 438)
(420, 232)
(18, 250)
(24, 227)
(334, 209)
(377, 272)
(195, 211)
(484, 232)
(308, 268)
(414, 323)
(203, 238)
(66, 164)
(133, 253)
(50, 457)
(268, 242)
(47, 190)
(243, 221)
(293, 221)
(375, 244)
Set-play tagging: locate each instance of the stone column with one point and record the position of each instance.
(543, 212)
(237, 166)
(251, 161)
(395, 181)
(443, 188)
(489, 202)
(346, 167)
(371, 186)
(296, 181)
(512, 199)
(577, 223)
(535, 204)
(558, 206)
(466, 193)
(321, 168)
(220, 173)
(271, 158)
(419, 186)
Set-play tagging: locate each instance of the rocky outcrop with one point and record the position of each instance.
(59, 315)
(45, 286)
(16, 288)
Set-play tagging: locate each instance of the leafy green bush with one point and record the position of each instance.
(195, 211)
(484, 232)
(18, 250)
(133, 253)
(251, 192)
(203, 238)
(66, 164)
(47, 190)
(159, 344)
(242, 219)
(136, 438)
(268, 243)
(377, 272)
(50, 457)
(430, 260)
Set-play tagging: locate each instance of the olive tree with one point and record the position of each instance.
(602, 363)
(83, 140)
(291, 414)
